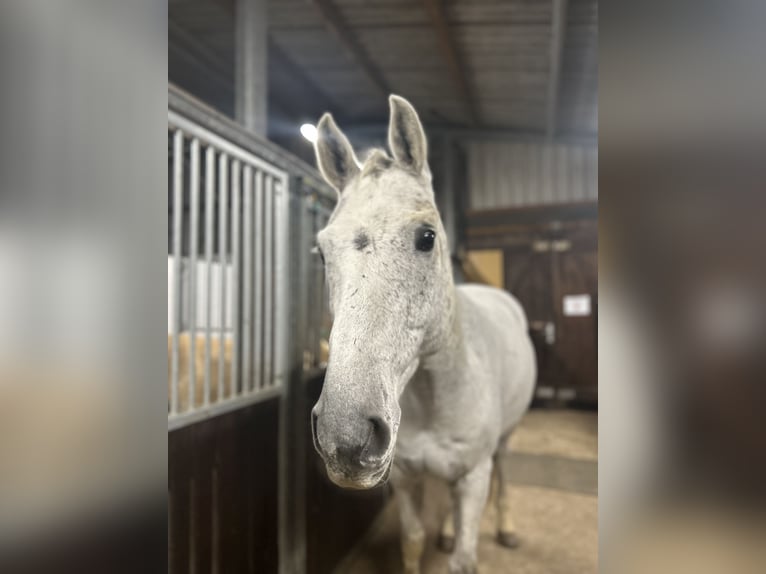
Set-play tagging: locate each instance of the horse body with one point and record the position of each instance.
(471, 392)
(422, 377)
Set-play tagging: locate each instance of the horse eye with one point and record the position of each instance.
(424, 239)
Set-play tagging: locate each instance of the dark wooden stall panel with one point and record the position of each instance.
(222, 493)
(336, 519)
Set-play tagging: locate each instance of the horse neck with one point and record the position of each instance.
(447, 338)
(433, 390)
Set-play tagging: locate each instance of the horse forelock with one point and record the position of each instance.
(376, 162)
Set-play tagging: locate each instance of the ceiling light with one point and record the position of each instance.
(309, 132)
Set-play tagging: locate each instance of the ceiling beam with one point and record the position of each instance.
(449, 52)
(558, 30)
(335, 22)
(309, 91)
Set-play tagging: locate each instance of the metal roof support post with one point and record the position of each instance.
(251, 64)
(558, 33)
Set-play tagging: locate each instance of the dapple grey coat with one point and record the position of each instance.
(423, 377)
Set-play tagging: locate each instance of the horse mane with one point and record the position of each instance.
(376, 162)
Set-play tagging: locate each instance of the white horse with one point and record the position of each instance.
(423, 377)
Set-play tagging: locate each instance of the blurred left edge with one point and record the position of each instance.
(83, 178)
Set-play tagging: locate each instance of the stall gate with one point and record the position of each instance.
(228, 272)
(229, 275)
(247, 327)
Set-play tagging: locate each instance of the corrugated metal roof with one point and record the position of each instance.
(515, 174)
(504, 48)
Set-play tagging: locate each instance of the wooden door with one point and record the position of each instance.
(528, 277)
(550, 262)
(551, 273)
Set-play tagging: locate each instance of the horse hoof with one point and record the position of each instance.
(445, 543)
(508, 539)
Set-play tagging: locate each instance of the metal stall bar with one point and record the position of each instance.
(222, 145)
(209, 212)
(293, 256)
(235, 236)
(268, 291)
(320, 217)
(178, 212)
(315, 268)
(307, 250)
(317, 291)
(193, 247)
(223, 216)
(259, 275)
(282, 279)
(247, 295)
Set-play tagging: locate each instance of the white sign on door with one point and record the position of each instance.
(576, 305)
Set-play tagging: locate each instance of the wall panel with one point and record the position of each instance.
(504, 174)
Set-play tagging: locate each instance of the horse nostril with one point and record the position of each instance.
(379, 439)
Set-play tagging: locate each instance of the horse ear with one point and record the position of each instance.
(335, 156)
(406, 137)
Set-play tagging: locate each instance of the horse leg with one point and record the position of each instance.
(446, 540)
(413, 533)
(506, 531)
(470, 495)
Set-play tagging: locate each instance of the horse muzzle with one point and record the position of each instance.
(359, 481)
(357, 451)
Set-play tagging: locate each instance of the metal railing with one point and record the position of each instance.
(229, 250)
(229, 221)
(319, 320)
